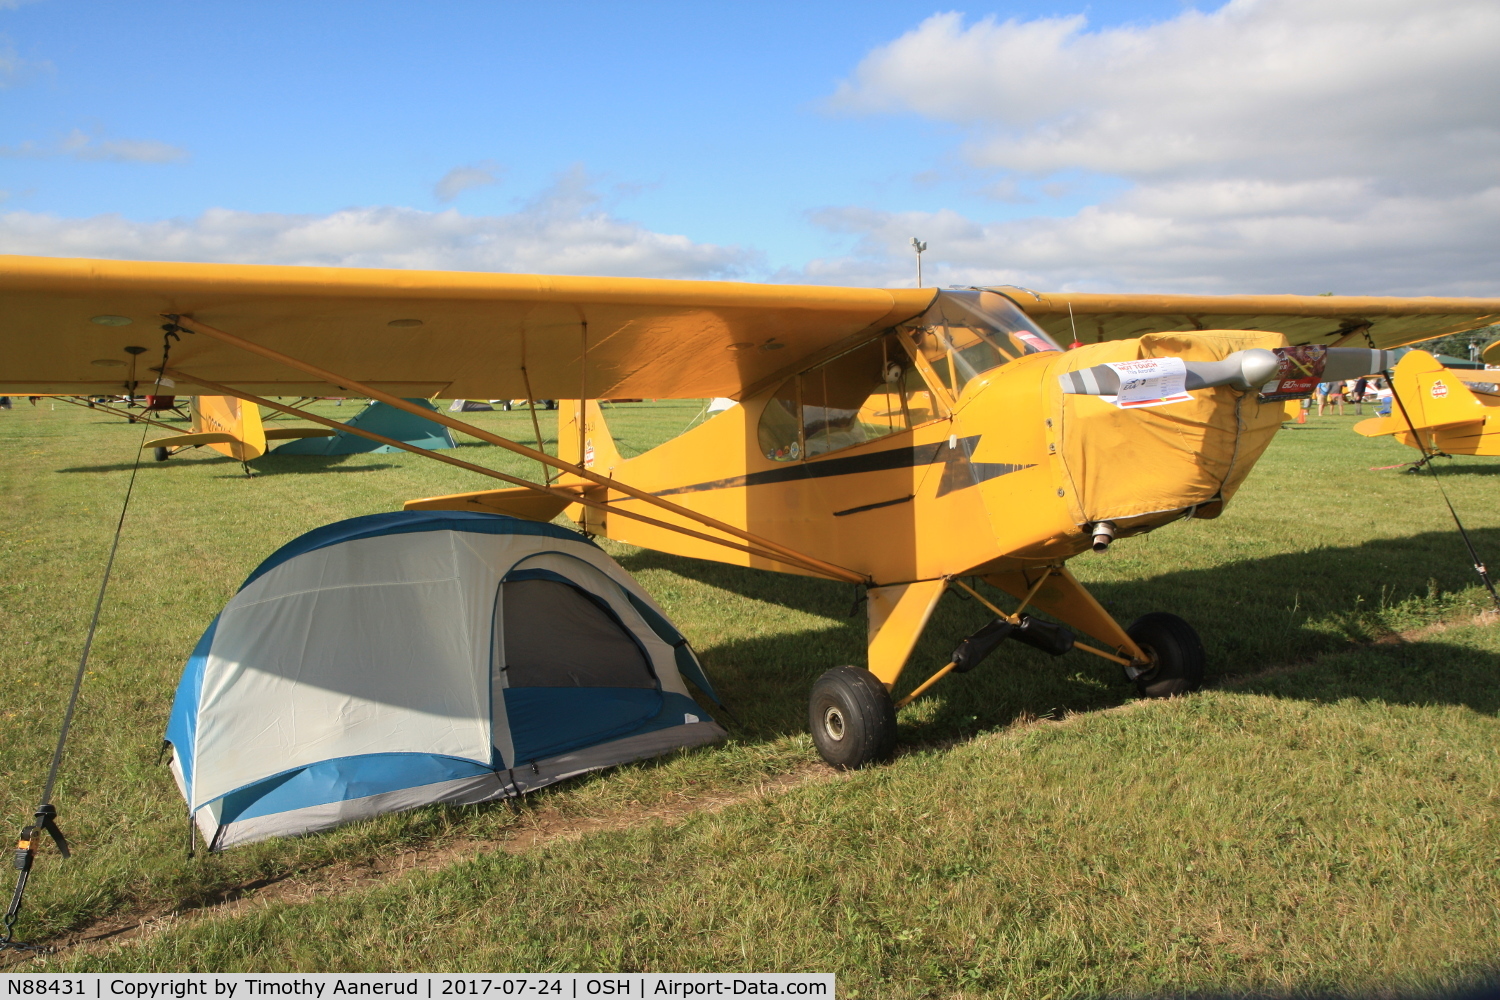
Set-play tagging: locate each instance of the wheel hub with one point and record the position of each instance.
(833, 722)
(1144, 671)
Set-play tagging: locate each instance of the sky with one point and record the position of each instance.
(1308, 146)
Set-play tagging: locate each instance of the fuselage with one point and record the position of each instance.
(900, 461)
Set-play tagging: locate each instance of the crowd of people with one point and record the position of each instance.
(1357, 391)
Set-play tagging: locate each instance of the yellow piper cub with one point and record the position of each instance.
(1440, 411)
(230, 427)
(899, 439)
(962, 443)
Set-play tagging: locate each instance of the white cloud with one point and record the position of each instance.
(1347, 145)
(562, 231)
(1192, 237)
(460, 179)
(15, 70)
(80, 145)
(1285, 87)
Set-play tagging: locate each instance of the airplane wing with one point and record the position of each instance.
(1330, 320)
(65, 325)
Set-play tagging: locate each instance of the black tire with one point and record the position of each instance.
(161, 454)
(1178, 653)
(852, 718)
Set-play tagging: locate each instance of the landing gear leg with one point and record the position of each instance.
(1161, 653)
(852, 719)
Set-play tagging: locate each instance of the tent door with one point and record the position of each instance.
(569, 672)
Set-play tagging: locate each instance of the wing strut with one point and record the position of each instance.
(132, 417)
(783, 553)
(806, 562)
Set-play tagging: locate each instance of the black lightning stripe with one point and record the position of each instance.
(958, 470)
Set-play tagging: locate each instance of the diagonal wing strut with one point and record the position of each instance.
(770, 549)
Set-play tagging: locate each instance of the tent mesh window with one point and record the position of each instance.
(555, 636)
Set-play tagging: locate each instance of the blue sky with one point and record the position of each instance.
(791, 141)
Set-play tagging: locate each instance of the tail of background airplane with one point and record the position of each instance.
(1447, 407)
(228, 415)
(223, 423)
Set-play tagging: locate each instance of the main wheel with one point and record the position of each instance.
(160, 454)
(1177, 653)
(852, 718)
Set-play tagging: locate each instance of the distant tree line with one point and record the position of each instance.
(1457, 344)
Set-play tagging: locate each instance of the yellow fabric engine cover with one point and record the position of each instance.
(1123, 464)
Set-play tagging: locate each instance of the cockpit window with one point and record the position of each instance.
(967, 333)
(864, 394)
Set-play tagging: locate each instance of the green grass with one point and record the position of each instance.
(1328, 825)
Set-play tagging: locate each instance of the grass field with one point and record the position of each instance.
(1325, 816)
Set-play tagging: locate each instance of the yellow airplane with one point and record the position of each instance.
(231, 428)
(903, 440)
(1440, 411)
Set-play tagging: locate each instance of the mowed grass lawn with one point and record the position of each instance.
(1326, 815)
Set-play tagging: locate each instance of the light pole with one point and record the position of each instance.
(918, 246)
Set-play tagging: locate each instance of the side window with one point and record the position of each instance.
(780, 435)
(921, 403)
(865, 394)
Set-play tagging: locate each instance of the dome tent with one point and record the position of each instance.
(396, 660)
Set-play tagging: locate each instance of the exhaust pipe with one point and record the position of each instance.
(1104, 533)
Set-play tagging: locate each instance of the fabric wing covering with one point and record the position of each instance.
(397, 660)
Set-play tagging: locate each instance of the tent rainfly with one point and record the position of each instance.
(395, 660)
(382, 419)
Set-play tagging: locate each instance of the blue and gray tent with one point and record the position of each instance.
(397, 660)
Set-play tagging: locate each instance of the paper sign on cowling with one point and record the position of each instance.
(1149, 382)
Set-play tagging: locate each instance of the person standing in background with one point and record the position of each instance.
(1336, 396)
(1360, 385)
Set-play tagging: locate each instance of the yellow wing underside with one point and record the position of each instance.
(503, 336)
(1305, 319)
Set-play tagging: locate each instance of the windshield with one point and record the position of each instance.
(967, 333)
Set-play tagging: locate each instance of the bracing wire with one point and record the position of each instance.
(1427, 461)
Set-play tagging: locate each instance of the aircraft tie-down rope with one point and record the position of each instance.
(1427, 460)
(44, 820)
(781, 552)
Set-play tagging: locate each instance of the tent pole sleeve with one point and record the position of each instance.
(568, 495)
(786, 554)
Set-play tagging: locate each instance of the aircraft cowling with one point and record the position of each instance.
(1142, 467)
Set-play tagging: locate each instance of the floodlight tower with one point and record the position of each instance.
(918, 246)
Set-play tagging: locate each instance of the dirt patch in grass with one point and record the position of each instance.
(536, 828)
(1484, 619)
